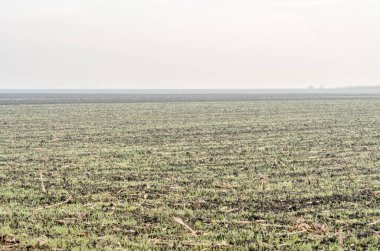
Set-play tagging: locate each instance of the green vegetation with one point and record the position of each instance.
(284, 175)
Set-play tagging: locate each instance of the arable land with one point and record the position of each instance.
(264, 173)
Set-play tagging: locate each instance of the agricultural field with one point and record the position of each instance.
(236, 175)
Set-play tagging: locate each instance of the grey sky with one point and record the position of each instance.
(189, 43)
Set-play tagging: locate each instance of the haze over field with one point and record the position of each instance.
(188, 44)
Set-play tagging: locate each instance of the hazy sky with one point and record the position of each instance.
(189, 43)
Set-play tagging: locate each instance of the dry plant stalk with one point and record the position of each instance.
(263, 182)
(207, 244)
(314, 228)
(43, 188)
(8, 242)
(374, 223)
(341, 237)
(180, 221)
(55, 205)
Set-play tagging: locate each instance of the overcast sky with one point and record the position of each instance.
(189, 43)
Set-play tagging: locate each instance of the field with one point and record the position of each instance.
(282, 174)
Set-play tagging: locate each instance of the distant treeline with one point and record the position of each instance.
(76, 98)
